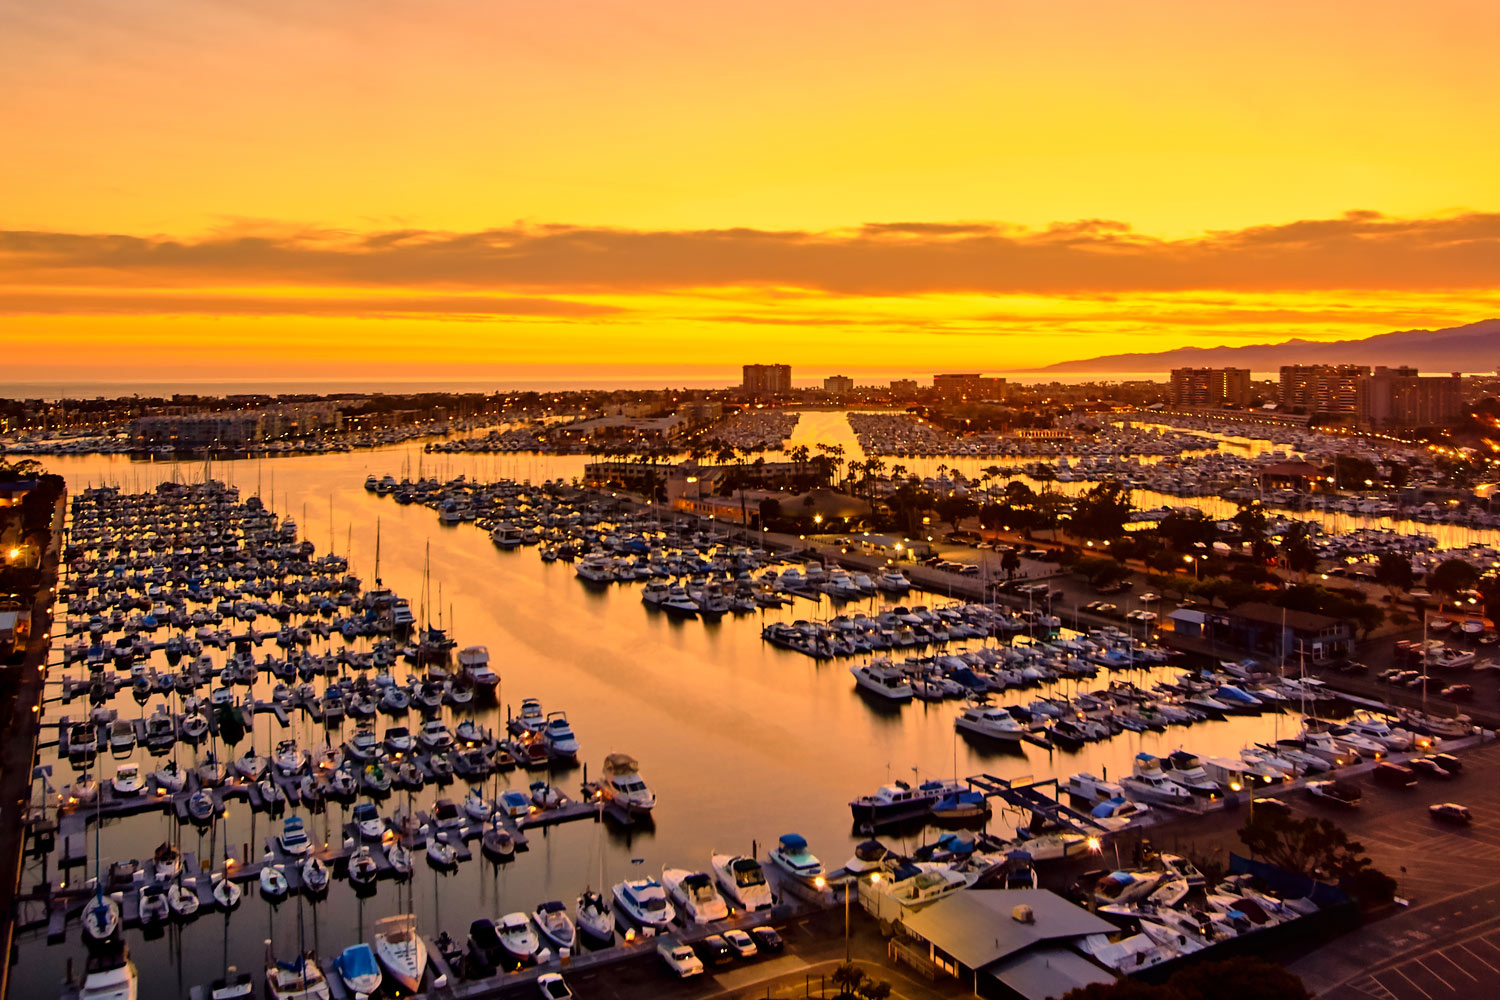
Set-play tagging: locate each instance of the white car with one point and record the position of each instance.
(552, 987)
(680, 959)
(742, 943)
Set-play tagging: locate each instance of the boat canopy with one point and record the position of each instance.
(620, 763)
(358, 960)
(793, 842)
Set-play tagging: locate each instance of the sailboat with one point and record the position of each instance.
(110, 975)
(401, 950)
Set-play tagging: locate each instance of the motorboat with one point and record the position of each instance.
(898, 801)
(1086, 786)
(233, 985)
(127, 780)
(893, 581)
(622, 785)
(401, 950)
(694, 893)
(644, 902)
(1187, 770)
(446, 815)
(595, 921)
(250, 765)
(109, 975)
(1148, 783)
(518, 938)
(557, 736)
(792, 856)
(169, 777)
(358, 969)
(151, 903)
(485, 951)
(883, 680)
(555, 926)
(989, 722)
(299, 979)
(742, 881)
(435, 735)
(367, 818)
(293, 836)
(476, 660)
(961, 804)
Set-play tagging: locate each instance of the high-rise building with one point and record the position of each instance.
(1399, 397)
(838, 385)
(1322, 388)
(1210, 386)
(767, 380)
(969, 385)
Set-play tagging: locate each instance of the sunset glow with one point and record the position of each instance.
(456, 188)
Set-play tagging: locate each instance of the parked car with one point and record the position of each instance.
(679, 958)
(1428, 767)
(1458, 692)
(767, 938)
(1450, 763)
(1450, 812)
(1271, 805)
(742, 943)
(715, 950)
(1395, 776)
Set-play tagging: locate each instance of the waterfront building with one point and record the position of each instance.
(767, 380)
(1210, 386)
(1007, 942)
(1322, 388)
(1262, 629)
(1400, 397)
(968, 385)
(838, 385)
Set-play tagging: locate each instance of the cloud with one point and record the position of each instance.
(366, 307)
(1358, 251)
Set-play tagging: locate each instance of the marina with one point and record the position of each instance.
(697, 660)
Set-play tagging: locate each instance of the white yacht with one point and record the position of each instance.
(742, 881)
(695, 895)
(110, 976)
(1147, 783)
(558, 738)
(893, 581)
(792, 856)
(623, 786)
(1187, 770)
(127, 780)
(401, 950)
(989, 722)
(517, 937)
(554, 924)
(880, 677)
(476, 660)
(645, 902)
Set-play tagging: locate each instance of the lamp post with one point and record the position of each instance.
(1194, 561)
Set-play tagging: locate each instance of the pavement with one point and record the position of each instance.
(814, 948)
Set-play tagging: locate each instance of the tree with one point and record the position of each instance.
(1186, 529)
(1297, 550)
(872, 990)
(848, 977)
(1102, 511)
(1242, 978)
(1309, 845)
(1010, 562)
(1394, 572)
(954, 508)
(1452, 576)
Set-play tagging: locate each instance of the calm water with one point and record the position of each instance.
(741, 741)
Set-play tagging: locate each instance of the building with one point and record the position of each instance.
(767, 380)
(969, 385)
(1399, 397)
(1265, 630)
(1010, 943)
(233, 429)
(1323, 388)
(904, 386)
(1210, 386)
(838, 385)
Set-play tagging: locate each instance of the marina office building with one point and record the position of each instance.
(1010, 944)
(1265, 630)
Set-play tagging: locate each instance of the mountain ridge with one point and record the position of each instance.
(1471, 347)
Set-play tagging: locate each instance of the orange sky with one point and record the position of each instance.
(194, 187)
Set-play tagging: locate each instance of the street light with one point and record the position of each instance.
(1194, 561)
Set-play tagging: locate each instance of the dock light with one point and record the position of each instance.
(630, 934)
(1234, 786)
(820, 882)
(875, 878)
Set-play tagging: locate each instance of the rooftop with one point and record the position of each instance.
(976, 926)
